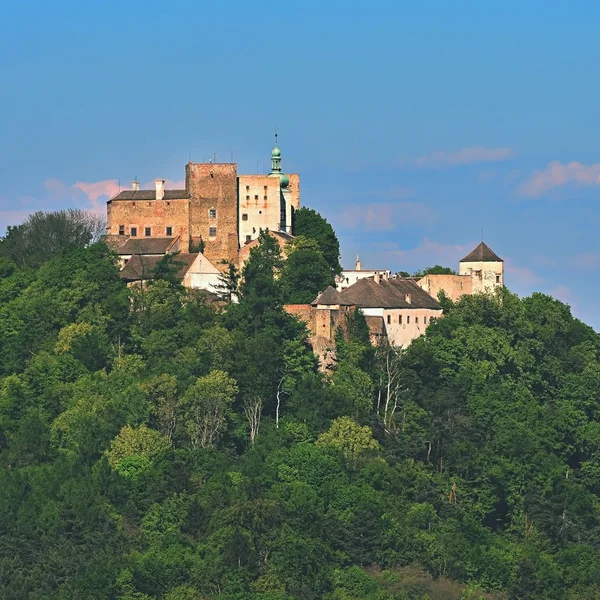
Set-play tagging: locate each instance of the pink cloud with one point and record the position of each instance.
(466, 156)
(386, 216)
(97, 189)
(557, 174)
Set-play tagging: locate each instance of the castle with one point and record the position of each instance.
(219, 210)
(217, 219)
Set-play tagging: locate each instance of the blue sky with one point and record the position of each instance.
(413, 125)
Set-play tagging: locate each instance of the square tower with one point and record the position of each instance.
(212, 189)
(485, 268)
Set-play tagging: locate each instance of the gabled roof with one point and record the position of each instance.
(146, 245)
(142, 267)
(483, 253)
(150, 195)
(329, 297)
(388, 293)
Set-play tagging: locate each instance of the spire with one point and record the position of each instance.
(357, 265)
(276, 157)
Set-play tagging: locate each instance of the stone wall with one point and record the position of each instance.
(156, 214)
(214, 208)
(454, 286)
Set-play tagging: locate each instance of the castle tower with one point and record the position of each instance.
(285, 194)
(485, 268)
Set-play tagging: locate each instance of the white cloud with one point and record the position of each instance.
(557, 174)
(385, 216)
(466, 156)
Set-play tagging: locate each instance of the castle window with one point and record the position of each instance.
(425, 320)
(389, 319)
(133, 231)
(497, 278)
(265, 197)
(147, 231)
(168, 204)
(244, 216)
(247, 197)
(212, 213)
(407, 319)
(212, 232)
(399, 319)
(248, 238)
(416, 319)
(149, 203)
(247, 188)
(121, 229)
(256, 196)
(260, 212)
(169, 231)
(254, 230)
(265, 189)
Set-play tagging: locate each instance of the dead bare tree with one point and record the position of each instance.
(253, 411)
(389, 387)
(280, 392)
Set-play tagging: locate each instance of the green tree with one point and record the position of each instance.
(305, 272)
(206, 405)
(435, 270)
(310, 224)
(229, 283)
(347, 436)
(46, 234)
(133, 449)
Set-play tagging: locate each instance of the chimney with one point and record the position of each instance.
(135, 185)
(408, 299)
(160, 189)
(385, 275)
(376, 277)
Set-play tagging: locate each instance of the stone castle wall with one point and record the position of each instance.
(156, 214)
(214, 208)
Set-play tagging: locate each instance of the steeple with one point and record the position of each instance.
(276, 158)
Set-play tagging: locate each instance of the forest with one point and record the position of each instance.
(156, 446)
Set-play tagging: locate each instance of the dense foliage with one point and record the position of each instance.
(46, 234)
(152, 446)
(310, 224)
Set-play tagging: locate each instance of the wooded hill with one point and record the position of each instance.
(154, 446)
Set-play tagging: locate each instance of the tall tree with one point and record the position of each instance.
(305, 272)
(309, 223)
(206, 405)
(46, 234)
